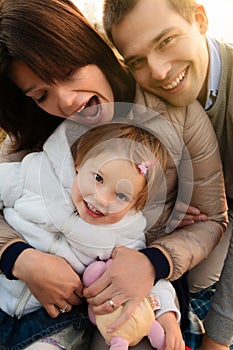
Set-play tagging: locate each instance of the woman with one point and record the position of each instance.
(60, 67)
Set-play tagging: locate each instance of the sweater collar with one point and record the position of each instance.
(214, 72)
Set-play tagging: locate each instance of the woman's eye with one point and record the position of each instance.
(40, 99)
(98, 178)
(122, 197)
(69, 72)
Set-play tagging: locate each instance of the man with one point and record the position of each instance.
(169, 55)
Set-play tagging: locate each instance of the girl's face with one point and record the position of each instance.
(85, 95)
(105, 189)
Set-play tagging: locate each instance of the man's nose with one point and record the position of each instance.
(158, 65)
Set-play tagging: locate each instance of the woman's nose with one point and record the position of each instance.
(66, 99)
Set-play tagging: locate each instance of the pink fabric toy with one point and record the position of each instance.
(142, 323)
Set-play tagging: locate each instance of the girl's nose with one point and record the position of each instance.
(105, 196)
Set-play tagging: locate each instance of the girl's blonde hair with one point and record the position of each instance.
(128, 141)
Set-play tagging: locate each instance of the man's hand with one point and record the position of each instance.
(50, 279)
(209, 344)
(126, 282)
(186, 215)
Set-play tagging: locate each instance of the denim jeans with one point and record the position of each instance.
(16, 334)
(98, 343)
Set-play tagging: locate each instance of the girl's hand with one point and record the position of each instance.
(50, 279)
(174, 340)
(126, 282)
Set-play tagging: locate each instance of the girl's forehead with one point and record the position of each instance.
(107, 162)
(107, 157)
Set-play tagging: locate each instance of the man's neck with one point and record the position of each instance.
(210, 88)
(203, 93)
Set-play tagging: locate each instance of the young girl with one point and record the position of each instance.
(119, 171)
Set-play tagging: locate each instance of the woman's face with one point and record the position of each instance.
(85, 95)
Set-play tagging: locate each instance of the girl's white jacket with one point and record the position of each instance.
(35, 197)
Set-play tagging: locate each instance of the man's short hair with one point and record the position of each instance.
(115, 10)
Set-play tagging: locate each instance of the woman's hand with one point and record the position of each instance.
(184, 216)
(174, 340)
(50, 279)
(126, 282)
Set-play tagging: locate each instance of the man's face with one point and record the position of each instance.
(167, 55)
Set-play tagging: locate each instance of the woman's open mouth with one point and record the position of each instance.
(91, 112)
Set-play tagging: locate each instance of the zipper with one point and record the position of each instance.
(26, 293)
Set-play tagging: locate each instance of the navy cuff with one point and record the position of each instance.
(159, 261)
(10, 255)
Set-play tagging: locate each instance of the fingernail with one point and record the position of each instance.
(202, 218)
(109, 330)
(195, 211)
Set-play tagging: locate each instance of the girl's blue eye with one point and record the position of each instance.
(98, 178)
(122, 197)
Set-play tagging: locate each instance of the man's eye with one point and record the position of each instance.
(136, 64)
(122, 197)
(98, 178)
(166, 41)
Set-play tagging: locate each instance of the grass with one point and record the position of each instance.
(2, 135)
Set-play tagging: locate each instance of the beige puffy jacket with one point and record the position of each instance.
(176, 127)
(194, 171)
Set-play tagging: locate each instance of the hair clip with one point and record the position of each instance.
(145, 166)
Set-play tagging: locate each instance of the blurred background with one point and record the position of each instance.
(219, 13)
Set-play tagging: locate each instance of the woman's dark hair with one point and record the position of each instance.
(48, 35)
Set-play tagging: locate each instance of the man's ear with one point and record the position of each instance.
(201, 18)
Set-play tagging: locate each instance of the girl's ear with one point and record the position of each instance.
(201, 19)
(77, 169)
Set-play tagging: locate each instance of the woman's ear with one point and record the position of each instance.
(201, 18)
(77, 168)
